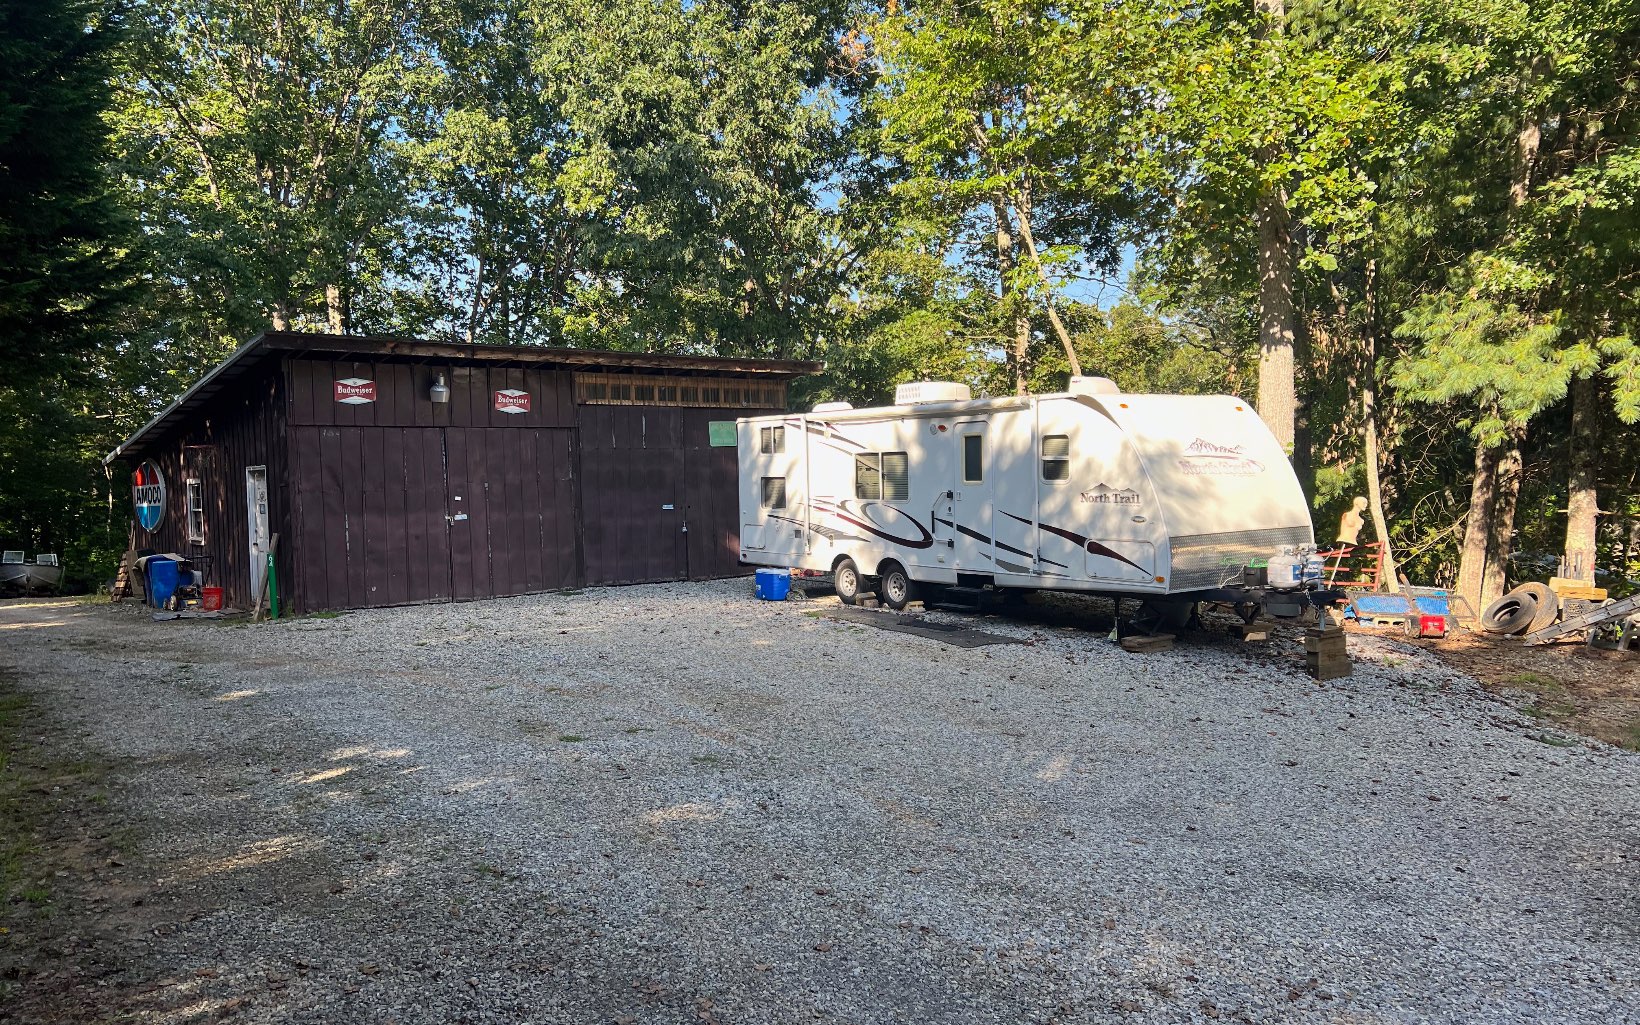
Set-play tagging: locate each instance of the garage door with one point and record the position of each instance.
(393, 515)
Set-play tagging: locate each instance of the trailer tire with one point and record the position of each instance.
(846, 578)
(894, 586)
(1548, 605)
(1510, 614)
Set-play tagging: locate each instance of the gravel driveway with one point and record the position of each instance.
(672, 803)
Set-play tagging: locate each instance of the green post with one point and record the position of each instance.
(273, 590)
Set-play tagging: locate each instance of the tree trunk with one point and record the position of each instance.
(281, 317)
(1390, 579)
(1020, 355)
(1502, 539)
(1022, 210)
(1582, 505)
(1478, 524)
(1277, 395)
(335, 310)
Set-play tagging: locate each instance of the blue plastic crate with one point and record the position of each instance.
(773, 584)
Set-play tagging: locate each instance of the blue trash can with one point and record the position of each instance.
(773, 584)
(163, 579)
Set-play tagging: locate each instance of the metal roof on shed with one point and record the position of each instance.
(273, 345)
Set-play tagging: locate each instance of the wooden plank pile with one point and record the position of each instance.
(1325, 653)
(1572, 589)
(1257, 631)
(1147, 642)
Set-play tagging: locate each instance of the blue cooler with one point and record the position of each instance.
(774, 584)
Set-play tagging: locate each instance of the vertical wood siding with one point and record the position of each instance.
(635, 461)
(364, 495)
(242, 429)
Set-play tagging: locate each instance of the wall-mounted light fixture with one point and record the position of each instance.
(439, 392)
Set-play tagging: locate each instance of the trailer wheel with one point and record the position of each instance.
(846, 578)
(1548, 605)
(895, 587)
(1510, 614)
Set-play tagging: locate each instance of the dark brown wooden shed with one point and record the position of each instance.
(540, 469)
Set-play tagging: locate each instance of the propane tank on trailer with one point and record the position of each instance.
(1286, 570)
(1315, 568)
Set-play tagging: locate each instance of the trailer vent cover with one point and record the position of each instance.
(832, 407)
(919, 392)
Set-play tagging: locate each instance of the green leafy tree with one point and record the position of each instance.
(989, 107)
(261, 153)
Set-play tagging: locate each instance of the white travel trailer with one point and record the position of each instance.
(1168, 497)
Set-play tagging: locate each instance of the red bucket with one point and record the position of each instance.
(210, 599)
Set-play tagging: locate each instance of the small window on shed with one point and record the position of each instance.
(868, 476)
(196, 512)
(896, 477)
(773, 440)
(973, 459)
(774, 492)
(643, 393)
(1056, 458)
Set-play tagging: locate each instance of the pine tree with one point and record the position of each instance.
(62, 234)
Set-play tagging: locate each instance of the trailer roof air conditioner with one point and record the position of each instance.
(1093, 386)
(832, 407)
(919, 392)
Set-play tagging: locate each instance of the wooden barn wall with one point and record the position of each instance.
(561, 496)
(374, 507)
(635, 461)
(243, 428)
(376, 485)
(401, 395)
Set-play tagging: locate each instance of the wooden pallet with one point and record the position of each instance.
(128, 583)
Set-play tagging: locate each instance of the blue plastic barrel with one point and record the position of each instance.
(773, 584)
(162, 580)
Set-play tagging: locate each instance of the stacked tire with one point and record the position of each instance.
(1527, 609)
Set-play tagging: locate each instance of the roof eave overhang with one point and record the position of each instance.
(294, 343)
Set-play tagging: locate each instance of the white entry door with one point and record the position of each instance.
(256, 508)
(972, 498)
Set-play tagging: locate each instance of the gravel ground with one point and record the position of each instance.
(672, 803)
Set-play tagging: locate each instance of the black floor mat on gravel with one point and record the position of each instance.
(958, 636)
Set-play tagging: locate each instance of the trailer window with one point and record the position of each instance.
(774, 492)
(896, 478)
(868, 476)
(1056, 458)
(773, 440)
(973, 459)
(196, 512)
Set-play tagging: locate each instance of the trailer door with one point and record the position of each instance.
(973, 496)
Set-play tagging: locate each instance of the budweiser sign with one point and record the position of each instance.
(354, 391)
(511, 400)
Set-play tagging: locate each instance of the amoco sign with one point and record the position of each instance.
(148, 495)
